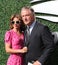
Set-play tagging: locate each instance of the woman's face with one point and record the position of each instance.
(16, 23)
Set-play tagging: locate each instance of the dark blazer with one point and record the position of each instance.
(40, 44)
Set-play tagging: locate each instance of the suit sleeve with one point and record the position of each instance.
(48, 44)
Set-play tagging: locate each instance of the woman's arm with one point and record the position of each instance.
(10, 50)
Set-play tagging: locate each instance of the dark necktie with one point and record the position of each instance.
(27, 35)
(28, 31)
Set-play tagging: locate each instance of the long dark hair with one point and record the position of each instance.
(22, 25)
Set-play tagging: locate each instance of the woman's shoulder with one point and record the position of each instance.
(22, 35)
(8, 36)
(8, 31)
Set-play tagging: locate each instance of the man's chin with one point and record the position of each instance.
(26, 23)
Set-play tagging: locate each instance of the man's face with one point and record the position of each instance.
(27, 16)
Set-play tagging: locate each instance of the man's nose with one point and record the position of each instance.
(25, 19)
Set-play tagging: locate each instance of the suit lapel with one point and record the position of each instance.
(34, 30)
(32, 33)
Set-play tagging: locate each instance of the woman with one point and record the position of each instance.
(14, 39)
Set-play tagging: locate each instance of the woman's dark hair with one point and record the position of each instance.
(22, 25)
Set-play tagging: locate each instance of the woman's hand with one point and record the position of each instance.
(24, 49)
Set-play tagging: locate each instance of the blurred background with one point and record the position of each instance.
(9, 7)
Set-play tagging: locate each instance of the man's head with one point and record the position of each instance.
(28, 15)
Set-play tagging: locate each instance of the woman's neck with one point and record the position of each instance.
(16, 30)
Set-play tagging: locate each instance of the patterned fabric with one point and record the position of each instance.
(16, 42)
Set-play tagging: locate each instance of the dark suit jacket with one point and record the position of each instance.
(40, 44)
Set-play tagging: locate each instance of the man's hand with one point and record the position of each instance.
(36, 63)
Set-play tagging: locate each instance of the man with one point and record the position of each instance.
(40, 43)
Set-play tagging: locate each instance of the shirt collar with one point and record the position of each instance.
(32, 25)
